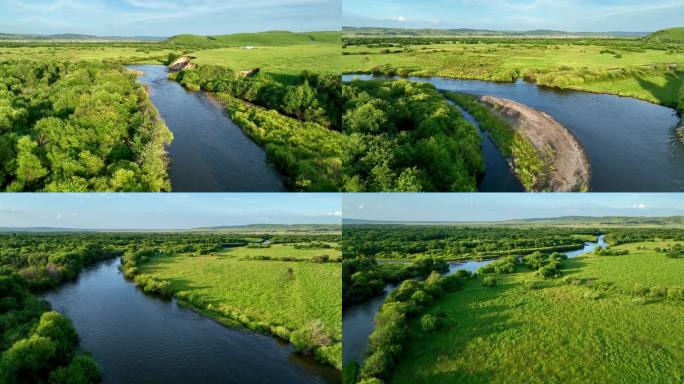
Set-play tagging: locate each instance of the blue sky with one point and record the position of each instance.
(567, 15)
(166, 17)
(159, 211)
(506, 206)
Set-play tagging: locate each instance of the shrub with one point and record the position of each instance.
(488, 282)
(378, 364)
(639, 301)
(311, 336)
(658, 292)
(573, 280)
(429, 323)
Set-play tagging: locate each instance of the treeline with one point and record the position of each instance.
(543, 264)
(297, 124)
(459, 242)
(385, 344)
(78, 127)
(364, 278)
(619, 236)
(405, 136)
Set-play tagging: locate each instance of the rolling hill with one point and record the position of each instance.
(272, 38)
(670, 35)
(464, 32)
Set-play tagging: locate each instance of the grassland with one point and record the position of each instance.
(621, 66)
(279, 53)
(272, 296)
(589, 327)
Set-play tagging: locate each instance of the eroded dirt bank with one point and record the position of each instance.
(571, 166)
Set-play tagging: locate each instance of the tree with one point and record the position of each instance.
(30, 358)
(29, 166)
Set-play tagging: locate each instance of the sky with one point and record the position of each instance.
(506, 206)
(166, 211)
(517, 15)
(166, 17)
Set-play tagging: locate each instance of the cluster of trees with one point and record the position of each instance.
(312, 97)
(363, 277)
(404, 136)
(459, 242)
(385, 344)
(544, 265)
(38, 345)
(677, 251)
(78, 127)
(610, 252)
(619, 236)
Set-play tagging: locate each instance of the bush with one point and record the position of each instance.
(658, 292)
(310, 337)
(488, 282)
(429, 323)
(639, 301)
(378, 364)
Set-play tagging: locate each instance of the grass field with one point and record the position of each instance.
(268, 292)
(282, 250)
(558, 332)
(503, 60)
(277, 53)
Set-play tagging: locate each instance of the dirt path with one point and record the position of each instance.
(570, 161)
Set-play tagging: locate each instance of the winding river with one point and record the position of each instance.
(358, 320)
(137, 338)
(631, 143)
(209, 152)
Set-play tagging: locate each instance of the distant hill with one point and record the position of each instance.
(670, 35)
(272, 38)
(237, 228)
(614, 221)
(75, 37)
(464, 32)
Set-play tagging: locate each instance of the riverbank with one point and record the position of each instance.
(569, 169)
(293, 301)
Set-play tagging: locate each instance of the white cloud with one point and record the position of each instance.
(360, 206)
(639, 206)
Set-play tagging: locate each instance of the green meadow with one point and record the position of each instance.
(610, 319)
(273, 296)
(649, 69)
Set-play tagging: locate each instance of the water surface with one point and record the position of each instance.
(209, 152)
(137, 338)
(631, 143)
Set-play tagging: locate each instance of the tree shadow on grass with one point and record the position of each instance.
(664, 93)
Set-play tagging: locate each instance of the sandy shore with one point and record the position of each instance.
(570, 161)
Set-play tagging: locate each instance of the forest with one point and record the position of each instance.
(39, 345)
(405, 137)
(529, 306)
(76, 127)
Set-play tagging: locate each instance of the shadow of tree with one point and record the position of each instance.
(668, 94)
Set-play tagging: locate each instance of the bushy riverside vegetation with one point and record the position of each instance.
(531, 316)
(649, 69)
(297, 124)
(406, 137)
(533, 167)
(289, 287)
(38, 345)
(78, 127)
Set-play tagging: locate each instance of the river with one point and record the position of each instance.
(138, 338)
(209, 152)
(631, 143)
(358, 320)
